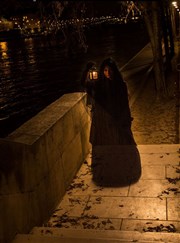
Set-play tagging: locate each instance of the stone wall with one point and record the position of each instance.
(38, 161)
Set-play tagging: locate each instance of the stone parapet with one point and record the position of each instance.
(39, 161)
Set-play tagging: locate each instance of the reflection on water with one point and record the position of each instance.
(34, 74)
(3, 47)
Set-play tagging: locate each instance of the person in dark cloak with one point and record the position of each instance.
(110, 132)
(111, 118)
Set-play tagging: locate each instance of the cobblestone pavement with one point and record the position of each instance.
(155, 120)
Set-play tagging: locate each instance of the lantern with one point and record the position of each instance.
(93, 73)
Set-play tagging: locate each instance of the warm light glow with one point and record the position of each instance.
(175, 4)
(93, 75)
(3, 50)
(3, 46)
(90, 75)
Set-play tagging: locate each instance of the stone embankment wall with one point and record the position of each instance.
(38, 161)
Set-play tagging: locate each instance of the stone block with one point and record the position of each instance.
(72, 158)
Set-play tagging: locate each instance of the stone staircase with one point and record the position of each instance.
(147, 210)
(55, 235)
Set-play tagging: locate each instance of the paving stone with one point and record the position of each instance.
(153, 172)
(150, 225)
(83, 185)
(160, 158)
(84, 171)
(153, 188)
(173, 171)
(72, 205)
(159, 148)
(87, 187)
(84, 223)
(173, 208)
(127, 207)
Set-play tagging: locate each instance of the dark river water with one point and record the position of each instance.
(33, 74)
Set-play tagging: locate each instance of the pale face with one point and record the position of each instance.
(108, 72)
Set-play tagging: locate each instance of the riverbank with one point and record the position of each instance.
(33, 75)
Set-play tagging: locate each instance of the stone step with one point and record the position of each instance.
(57, 235)
(48, 239)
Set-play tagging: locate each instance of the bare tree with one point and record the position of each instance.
(71, 34)
(153, 15)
